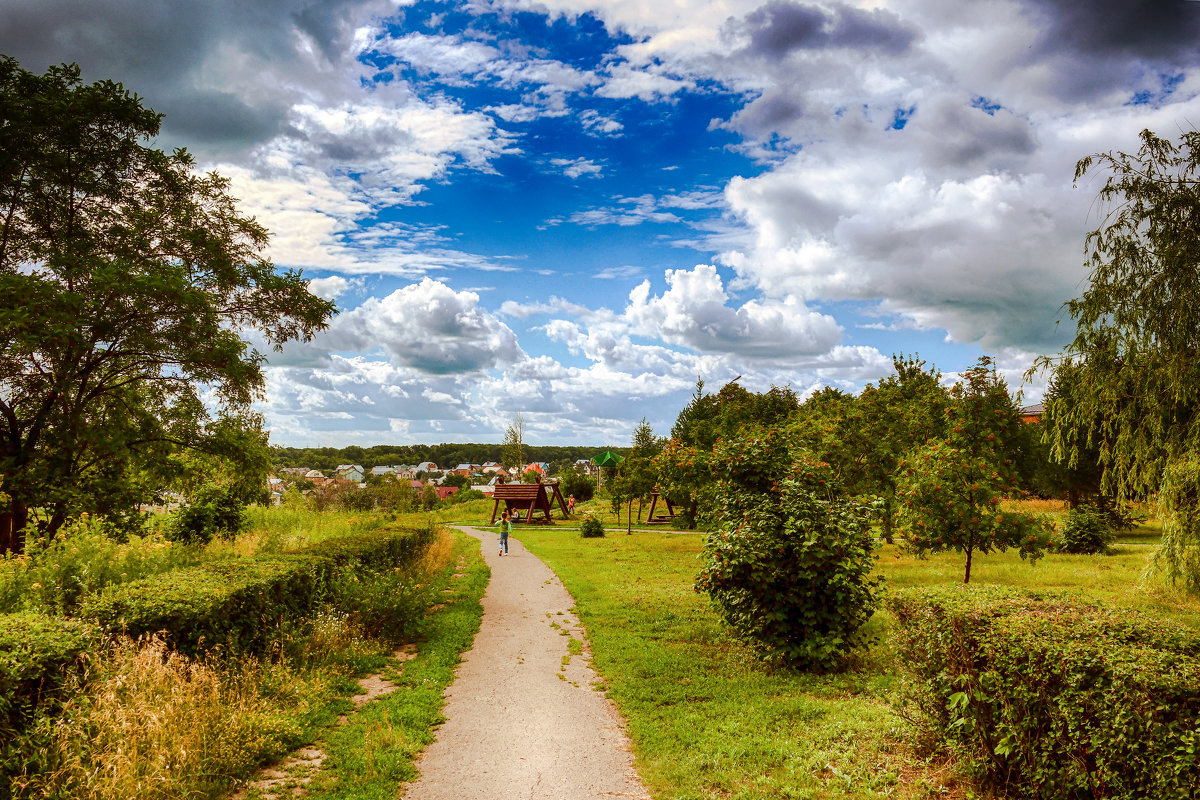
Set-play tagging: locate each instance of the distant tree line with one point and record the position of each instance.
(446, 455)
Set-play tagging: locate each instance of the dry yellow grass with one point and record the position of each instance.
(1036, 506)
(158, 725)
(150, 723)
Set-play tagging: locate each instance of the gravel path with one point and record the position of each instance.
(521, 723)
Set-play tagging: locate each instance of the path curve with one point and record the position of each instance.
(520, 722)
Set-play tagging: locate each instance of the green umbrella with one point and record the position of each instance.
(608, 459)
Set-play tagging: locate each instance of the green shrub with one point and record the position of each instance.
(1052, 698)
(215, 511)
(385, 605)
(85, 557)
(235, 604)
(592, 528)
(1085, 531)
(793, 575)
(574, 482)
(37, 655)
(239, 603)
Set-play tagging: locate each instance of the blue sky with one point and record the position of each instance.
(573, 209)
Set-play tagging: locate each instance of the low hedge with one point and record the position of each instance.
(394, 547)
(37, 654)
(1049, 697)
(239, 604)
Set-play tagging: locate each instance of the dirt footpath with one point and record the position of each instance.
(523, 720)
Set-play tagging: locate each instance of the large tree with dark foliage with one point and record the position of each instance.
(1134, 364)
(127, 280)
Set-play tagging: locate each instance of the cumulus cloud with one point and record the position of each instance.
(912, 157)
(983, 258)
(224, 72)
(332, 287)
(780, 27)
(695, 312)
(427, 327)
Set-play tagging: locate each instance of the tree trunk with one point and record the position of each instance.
(967, 577)
(639, 511)
(51, 527)
(889, 533)
(12, 528)
(629, 518)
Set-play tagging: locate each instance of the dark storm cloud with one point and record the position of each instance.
(774, 110)
(1158, 31)
(956, 136)
(780, 27)
(192, 61)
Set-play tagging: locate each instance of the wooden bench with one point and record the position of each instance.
(531, 499)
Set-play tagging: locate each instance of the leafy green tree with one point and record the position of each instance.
(729, 412)
(863, 438)
(789, 564)
(126, 279)
(429, 496)
(950, 490)
(1136, 393)
(461, 481)
(682, 464)
(684, 476)
(636, 476)
(1072, 473)
(577, 484)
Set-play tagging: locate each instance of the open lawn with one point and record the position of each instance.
(708, 719)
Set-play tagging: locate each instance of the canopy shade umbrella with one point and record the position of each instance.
(607, 459)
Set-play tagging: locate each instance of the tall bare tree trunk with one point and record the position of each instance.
(12, 528)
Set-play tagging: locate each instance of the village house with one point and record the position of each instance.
(350, 472)
(1032, 414)
(317, 478)
(427, 466)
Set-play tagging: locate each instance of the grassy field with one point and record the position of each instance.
(709, 720)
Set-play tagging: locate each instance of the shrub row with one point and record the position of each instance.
(239, 604)
(37, 654)
(234, 604)
(1049, 697)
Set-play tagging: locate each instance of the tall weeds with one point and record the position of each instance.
(150, 723)
(52, 577)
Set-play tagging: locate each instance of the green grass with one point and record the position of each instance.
(709, 720)
(372, 755)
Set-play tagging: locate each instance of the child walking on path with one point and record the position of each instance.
(505, 530)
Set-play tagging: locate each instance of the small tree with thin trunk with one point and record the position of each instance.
(513, 452)
(950, 490)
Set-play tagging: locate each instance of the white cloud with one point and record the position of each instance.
(624, 81)
(695, 312)
(577, 167)
(336, 167)
(427, 327)
(333, 287)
